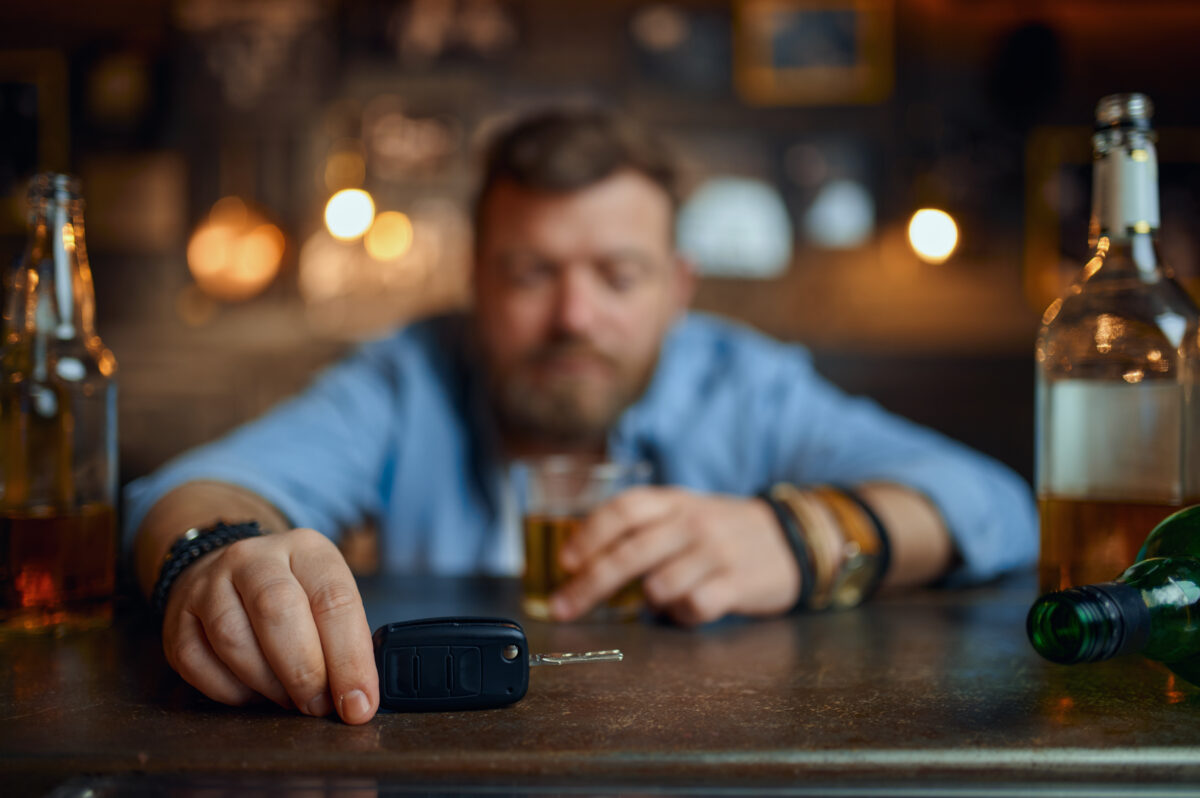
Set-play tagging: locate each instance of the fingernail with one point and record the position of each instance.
(319, 706)
(355, 705)
(560, 608)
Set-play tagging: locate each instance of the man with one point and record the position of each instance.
(578, 342)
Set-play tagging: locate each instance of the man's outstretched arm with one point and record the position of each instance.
(278, 616)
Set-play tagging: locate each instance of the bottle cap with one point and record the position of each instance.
(1133, 110)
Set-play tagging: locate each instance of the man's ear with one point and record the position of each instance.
(684, 282)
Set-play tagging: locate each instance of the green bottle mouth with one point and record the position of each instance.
(1089, 623)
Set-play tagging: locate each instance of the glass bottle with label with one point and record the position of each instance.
(1117, 362)
(58, 429)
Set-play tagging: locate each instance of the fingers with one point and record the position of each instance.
(279, 616)
(189, 653)
(279, 613)
(706, 602)
(700, 556)
(232, 639)
(345, 636)
(631, 555)
(629, 510)
(676, 578)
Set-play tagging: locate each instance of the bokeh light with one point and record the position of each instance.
(349, 214)
(841, 216)
(933, 235)
(390, 236)
(345, 167)
(235, 253)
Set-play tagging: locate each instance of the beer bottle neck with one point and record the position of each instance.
(52, 291)
(1089, 623)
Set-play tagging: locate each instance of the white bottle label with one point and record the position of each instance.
(1125, 193)
(1107, 440)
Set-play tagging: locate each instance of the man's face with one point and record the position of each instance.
(573, 294)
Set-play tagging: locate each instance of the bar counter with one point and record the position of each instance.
(933, 690)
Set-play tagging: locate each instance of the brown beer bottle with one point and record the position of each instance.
(1117, 359)
(58, 429)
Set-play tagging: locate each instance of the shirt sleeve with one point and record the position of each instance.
(824, 435)
(318, 457)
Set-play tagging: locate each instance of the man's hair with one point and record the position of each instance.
(564, 150)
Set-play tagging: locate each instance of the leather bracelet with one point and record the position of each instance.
(822, 535)
(195, 543)
(799, 546)
(885, 543)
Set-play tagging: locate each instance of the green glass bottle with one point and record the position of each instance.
(1152, 609)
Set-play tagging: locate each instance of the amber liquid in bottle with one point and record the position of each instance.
(58, 568)
(58, 442)
(1087, 541)
(544, 537)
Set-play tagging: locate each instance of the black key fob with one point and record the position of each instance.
(443, 664)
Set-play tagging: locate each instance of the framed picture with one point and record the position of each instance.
(813, 52)
(33, 126)
(1058, 191)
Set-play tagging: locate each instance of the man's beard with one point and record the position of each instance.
(566, 409)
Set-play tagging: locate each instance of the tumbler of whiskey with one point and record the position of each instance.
(58, 429)
(555, 495)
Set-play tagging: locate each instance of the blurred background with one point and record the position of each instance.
(270, 181)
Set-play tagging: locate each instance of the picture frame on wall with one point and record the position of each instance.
(813, 52)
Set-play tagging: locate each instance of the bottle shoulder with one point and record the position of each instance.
(1120, 327)
(1177, 535)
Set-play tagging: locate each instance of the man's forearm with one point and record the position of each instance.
(922, 549)
(190, 505)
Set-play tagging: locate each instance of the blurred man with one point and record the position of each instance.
(578, 342)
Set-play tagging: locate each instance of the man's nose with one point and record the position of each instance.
(577, 308)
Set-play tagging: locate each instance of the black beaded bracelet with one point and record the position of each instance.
(191, 547)
(885, 543)
(796, 542)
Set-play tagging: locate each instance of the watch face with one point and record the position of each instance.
(857, 576)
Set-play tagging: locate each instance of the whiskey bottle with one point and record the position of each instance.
(1117, 357)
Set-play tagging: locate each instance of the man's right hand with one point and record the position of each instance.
(278, 616)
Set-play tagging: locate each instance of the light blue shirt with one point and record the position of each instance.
(399, 432)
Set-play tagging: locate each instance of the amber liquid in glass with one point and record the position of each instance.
(1088, 541)
(544, 536)
(58, 570)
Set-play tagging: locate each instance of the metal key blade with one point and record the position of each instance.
(571, 658)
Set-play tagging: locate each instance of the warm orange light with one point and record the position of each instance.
(235, 253)
(349, 214)
(933, 235)
(390, 237)
(343, 169)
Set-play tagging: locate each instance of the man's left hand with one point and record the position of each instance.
(700, 556)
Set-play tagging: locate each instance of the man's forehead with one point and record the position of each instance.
(626, 209)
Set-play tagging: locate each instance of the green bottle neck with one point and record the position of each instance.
(1089, 623)
(1148, 610)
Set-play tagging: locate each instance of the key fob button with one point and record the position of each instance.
(468, 670)
(402, 676)
(436, 671)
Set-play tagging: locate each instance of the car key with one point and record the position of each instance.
(441, 664)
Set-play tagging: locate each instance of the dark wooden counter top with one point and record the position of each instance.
(929, 688)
